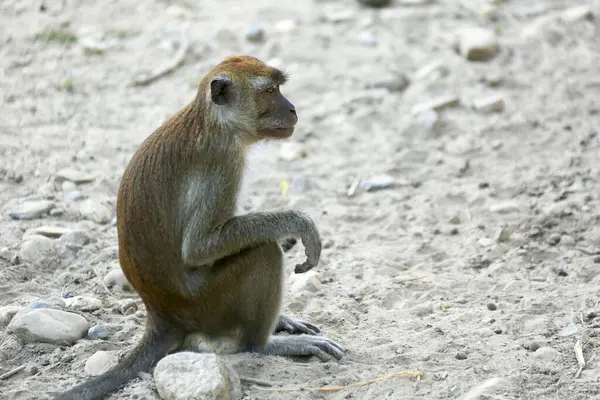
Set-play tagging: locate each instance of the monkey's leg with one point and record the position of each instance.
(259, 302)
(295, 326)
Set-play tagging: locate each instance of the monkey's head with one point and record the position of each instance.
(244, 93)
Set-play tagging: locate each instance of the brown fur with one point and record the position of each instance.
(196, 265)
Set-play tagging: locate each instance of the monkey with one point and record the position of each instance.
(196, 264)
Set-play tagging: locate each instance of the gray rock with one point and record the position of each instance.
(100, 362)
(75, 239)
(46, 325)
(37, 248)
(505, 207)
(375, 3)
(546, 354)
(569, 330)
(366, 38)
(194, 376)
(7, 313)
(489, 104)
(96, 211)
(255, 34)
(32, 210)
(118, 279)
(83, 303)
(127, 306)
(477, 44)
(377, 182)
(103, 331)
(52, 232)
(73, 175)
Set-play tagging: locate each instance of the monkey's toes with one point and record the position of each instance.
(296, 326)
(329, 347)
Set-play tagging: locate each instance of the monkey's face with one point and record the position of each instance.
(276, 115)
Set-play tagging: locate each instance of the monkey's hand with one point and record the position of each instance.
(312, 247)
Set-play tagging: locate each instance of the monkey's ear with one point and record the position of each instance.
(220, 90)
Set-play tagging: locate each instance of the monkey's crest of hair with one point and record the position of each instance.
(242, 78)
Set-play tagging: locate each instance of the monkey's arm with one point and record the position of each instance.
(241, 232)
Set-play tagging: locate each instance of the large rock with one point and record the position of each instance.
(47, 325)
(194, 376)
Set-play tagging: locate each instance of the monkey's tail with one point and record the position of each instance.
(155, 344)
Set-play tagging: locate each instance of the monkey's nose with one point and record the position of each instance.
(293, 110)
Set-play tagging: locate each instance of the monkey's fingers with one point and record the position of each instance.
(288, 243)
(304, 267)
(296, 326)
(330, 347)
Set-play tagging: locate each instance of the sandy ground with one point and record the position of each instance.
(484, 249)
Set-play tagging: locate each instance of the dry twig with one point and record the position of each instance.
(579, 355)
(12, 372)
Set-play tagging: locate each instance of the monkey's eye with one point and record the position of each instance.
(271, 90)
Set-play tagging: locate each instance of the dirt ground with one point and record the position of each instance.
(485, 248)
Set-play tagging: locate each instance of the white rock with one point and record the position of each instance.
(32, 209)
(477, 43)
(83, 303)
(489, 104)
(37, 248)
(68, 186)
(367, 38)
(100, 362)
(307, 282)
(436, 104)
(433, 70)
(285, 26)
(503, 235)
(578, 13)
(546, 354)
(428, 119)
(117, 278)
(485, 242)
(290, 151)
(96, 211)
(505, 207)
(193, 376)
(177, 11)
(7, 313)
(48, 231)
(377, 182)
(46, 325)
(75, 238)
(73, 175)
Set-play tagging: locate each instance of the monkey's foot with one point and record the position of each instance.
(295, 326)
(290, 346)
(288, 243)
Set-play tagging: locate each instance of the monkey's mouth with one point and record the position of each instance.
(283, 131)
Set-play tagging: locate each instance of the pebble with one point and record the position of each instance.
(484, 332)
(396, 84)
(36, 248)
(117, 278)
(434, 70)
(7, 313)
(546, 353)
(377, 182)
(96, 211)
(436, 104)
(75, 238)
(286, 26)
(505, 207)
(569, 330)
(477, 44)
(55, 303)
(367, 38)
(554, 239)
(307, 282)
(68, 186)
(46, 325)
(498, 331)
(48, 231)
(76, 195)
(489, 104)
(567, 241)
(485, 242)
(177, 11)
(255, 34)
(32, 210)
(102, 332)
(100, 362)
(83, 303)
(194, 376)
(291, 151)
(503, 235)
(127, 306)
(73, 175)
(461, 355)
(375, 3)
(57, 212)
(492, 307)
(428, 119)
(534, 346)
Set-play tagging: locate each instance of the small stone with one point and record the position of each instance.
(498, 331)
(55, 303)
(578, 13)
(396, 84)
(47, 231)
(73, 175)
(177, 11)
(484, 332)
(422, 310)
(503, 235)
(255, 34)
(100, 362)
(68, 186)
(375, 3)
(32, 210)
(597, 260)
(83, 303)
(7, 313)
(37, 248)
(307, 282)
(102, 331)
(567, 241)
(127, 306)
(477, 44)
(291, 151)
(377, 182)
(489, 104)
(96, 211)
(75, 239)
(92, 45)
(485, 242)
(569, 330)
(436, 104)
(538, 279)
(194, 376)
(428, 119)
(286, 25)
(57, 212)
(45, 325)
(505, 207)
(554, 239)
(492, 307)
(117, 278)
(366, 38)
(461, 355)
(434, 70)
(534, 346)
(546, 354)
(76, 195)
